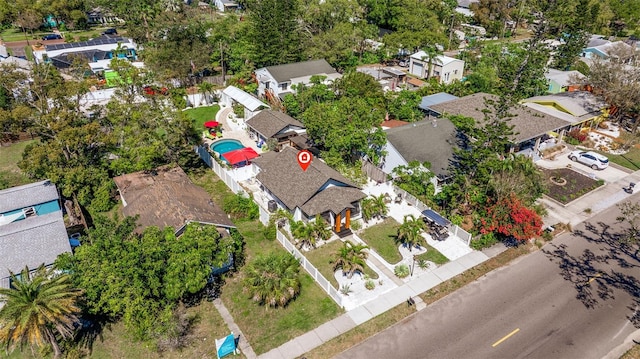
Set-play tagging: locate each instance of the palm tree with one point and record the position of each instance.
(351, 258)
(380, 206)
(409, 231)
(310, 233)
(374, 207)
(205, 88)
(273, 279)
(432, 53)
(36, 308)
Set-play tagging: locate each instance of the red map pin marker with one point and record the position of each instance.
(304, 159)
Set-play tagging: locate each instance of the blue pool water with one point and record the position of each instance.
(226, 145)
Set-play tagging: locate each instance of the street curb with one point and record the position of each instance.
(628, 343)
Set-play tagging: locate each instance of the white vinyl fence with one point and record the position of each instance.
(224, 175)
(315, 274)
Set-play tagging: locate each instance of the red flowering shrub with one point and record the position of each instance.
(577, 134)
(510, 218)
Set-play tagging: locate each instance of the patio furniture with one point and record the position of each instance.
(398, 199)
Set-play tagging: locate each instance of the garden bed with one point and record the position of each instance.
(565, 185)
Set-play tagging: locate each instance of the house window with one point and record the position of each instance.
(266, 85)
(455, 72)
(283, 86)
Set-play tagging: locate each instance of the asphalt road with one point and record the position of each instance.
(545, 305)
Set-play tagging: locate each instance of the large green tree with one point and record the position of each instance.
(351, 258)
(39, 306)
(138, 277)
(409, 232)
(275, 33)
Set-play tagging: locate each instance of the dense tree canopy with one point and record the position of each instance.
(138, 276)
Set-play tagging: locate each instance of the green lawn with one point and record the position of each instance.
(267, 328)
(381, 238)
(113, 342)
(322, 257)
(432, 255)
(200, 115)
(9, 158)
(630, 159)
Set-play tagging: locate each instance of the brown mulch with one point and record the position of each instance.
(576, 186)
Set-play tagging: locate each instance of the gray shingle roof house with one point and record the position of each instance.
(166, 197)
(279, 79)
(527, 123)
(320, 190)
(32, 230)
(269, 123)
(431, 140)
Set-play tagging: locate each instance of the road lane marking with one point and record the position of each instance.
(595, 277)
(505, 337)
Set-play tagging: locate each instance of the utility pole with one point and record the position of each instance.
(450, 31)
(222, 63)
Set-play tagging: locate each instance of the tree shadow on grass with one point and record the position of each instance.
(585, 271)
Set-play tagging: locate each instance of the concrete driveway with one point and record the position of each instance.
(610, 174)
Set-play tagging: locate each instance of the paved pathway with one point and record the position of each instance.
(243, 344)
(352, 318)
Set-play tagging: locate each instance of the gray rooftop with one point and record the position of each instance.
(577, 103)
(527, 123)
(564, 78)
(32, 242)
(282, 176)
(28, 195)
(284, 73)
(435, 99)
(421, 141)
(268, 123)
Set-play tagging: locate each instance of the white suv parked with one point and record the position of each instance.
(591, 159)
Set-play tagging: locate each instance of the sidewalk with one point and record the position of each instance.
(352, 318)
(243, 344)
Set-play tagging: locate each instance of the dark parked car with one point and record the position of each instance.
(110, 31)
(51, 37)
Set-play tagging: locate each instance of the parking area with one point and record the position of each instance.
(609, 175)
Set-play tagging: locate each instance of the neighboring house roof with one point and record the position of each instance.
(466, 3)
(28, 195)
(393, 123)
(563, 78)
(527, 123)
(102, 40)
(440, 59)
(597, 41)
(32, 242)
(430, 141)
(166, 197)
(284, 73)
(268, 123)
(581, 104)
(244, 98)
(606, 48)
(283, 177)
(66, 60)
(435, 99)
(18, 62)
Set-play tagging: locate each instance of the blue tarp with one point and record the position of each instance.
(435, 217)
(226, 346)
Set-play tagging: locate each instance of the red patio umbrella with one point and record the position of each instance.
(241, 155)
(211, 124)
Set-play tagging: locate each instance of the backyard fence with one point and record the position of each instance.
(315, 274)
(224, 175)
(457, 231)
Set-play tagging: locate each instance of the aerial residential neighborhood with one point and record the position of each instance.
(330, 179)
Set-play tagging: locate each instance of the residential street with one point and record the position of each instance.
(535, 308)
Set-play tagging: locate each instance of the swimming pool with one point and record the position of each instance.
(226, 145)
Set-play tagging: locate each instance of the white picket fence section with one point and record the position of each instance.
(315, 274)
(457, 231)
(223, 173)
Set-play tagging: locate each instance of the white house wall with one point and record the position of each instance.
(263, 76)
(393, 159)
